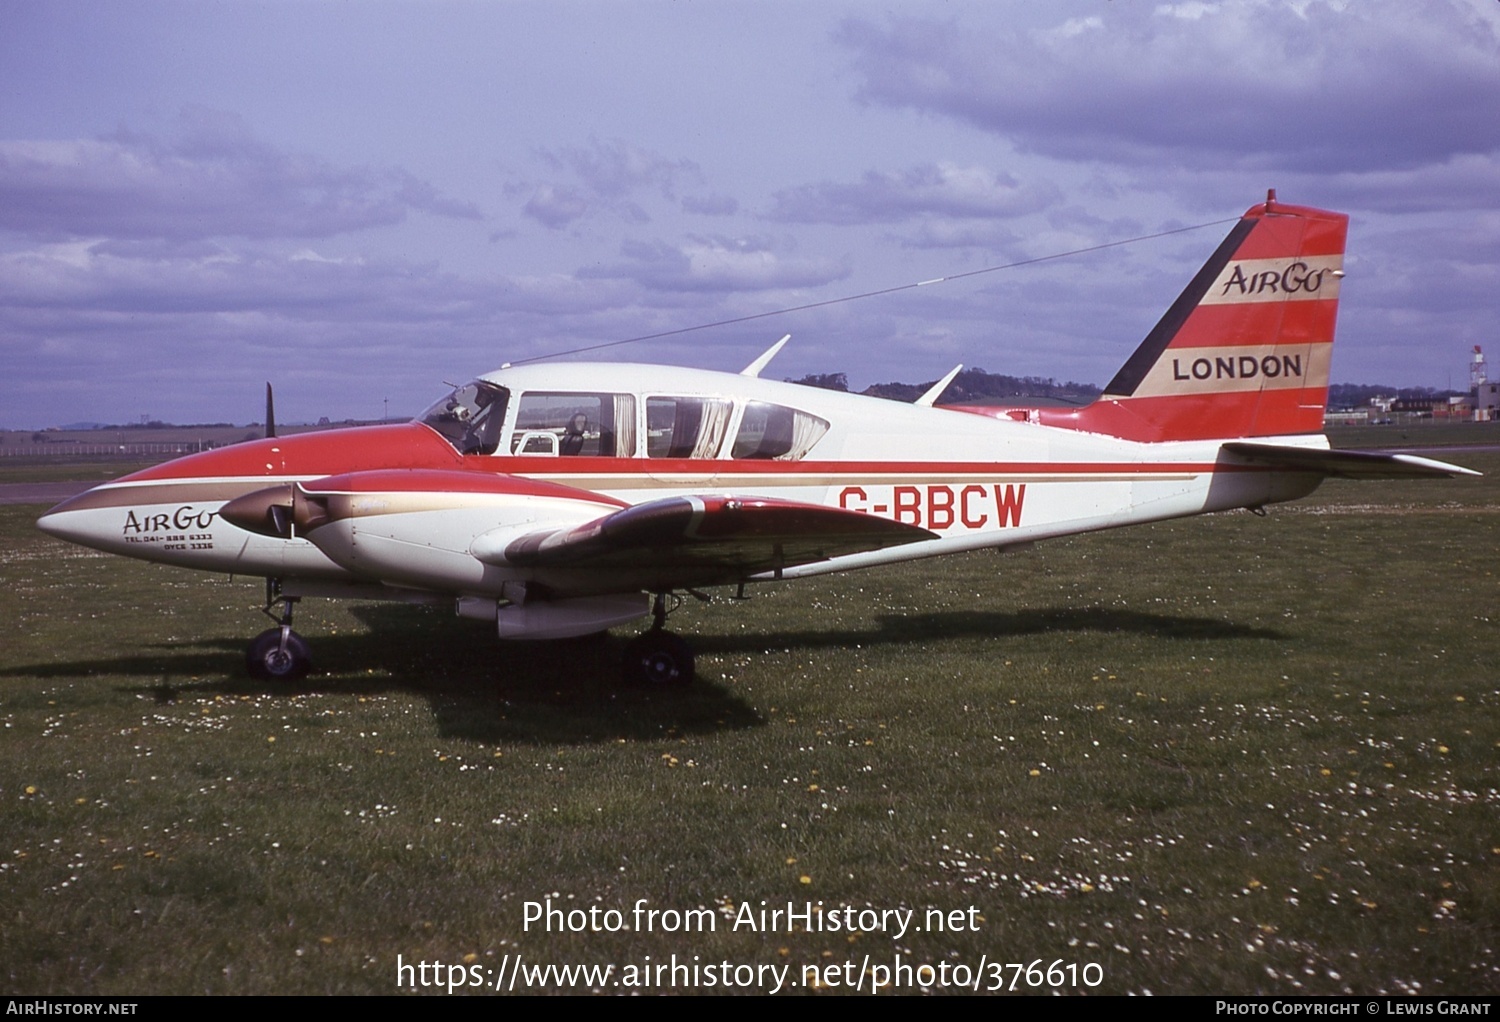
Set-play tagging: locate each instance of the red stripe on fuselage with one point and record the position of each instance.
(360, 448)
(656, 468)
(386, 453)
(1216, 416)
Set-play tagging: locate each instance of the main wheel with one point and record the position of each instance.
(658, 659)
(267, 661)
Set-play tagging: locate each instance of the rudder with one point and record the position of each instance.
(1245, 349)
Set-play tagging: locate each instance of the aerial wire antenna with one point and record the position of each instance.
(874, 294)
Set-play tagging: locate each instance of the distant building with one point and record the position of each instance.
(1415, 407)
(1458, 407)
(1487, 402)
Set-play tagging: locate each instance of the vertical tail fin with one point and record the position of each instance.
(1245, 349)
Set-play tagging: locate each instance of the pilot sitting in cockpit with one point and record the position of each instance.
(573, 435)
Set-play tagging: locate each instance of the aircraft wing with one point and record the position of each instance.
(1345, 464)
(703, 540)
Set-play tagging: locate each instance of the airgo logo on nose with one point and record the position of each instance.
(184, 518)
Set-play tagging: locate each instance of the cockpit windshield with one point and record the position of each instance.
(470, 417)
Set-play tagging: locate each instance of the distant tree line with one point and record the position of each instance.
(1358, 395)
(825, 381)
(158, 424)
(972, 386)
(976, 386)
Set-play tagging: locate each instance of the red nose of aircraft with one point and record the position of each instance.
(161, 512)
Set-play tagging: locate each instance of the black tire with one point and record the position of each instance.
(266, 662)
(658, 660)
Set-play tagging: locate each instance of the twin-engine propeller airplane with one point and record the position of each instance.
(561, 500)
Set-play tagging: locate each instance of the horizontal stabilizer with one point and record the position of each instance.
(1346, 464)
(721, 537)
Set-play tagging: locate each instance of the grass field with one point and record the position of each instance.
(1229, 754)
(37, 470)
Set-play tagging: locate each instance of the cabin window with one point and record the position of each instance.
(572, 425)
(685, 427)
(470, 418)
(776, 432)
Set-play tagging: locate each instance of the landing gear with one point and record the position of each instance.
(278, 654)
(658, 659)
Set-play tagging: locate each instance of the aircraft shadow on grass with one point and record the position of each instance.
(569, 691)
(902, 629)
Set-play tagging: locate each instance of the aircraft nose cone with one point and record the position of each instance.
(53, 524)
(76, 521)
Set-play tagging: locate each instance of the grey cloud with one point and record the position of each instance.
(213, 180)
(75, 281)
(1465, 182)
(158, 249)
(607, 176)
(420, 195)
(717, 264)
(959, 234)
(1249, 83)
(934, 189)
(555, 207)
(614, 168)
(195, 327)
(711, 205)
(1440, 264)
(194, 330)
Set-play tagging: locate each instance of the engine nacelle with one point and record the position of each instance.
(556, 619)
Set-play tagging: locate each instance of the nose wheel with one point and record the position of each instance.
(658, 659)
(278, 654)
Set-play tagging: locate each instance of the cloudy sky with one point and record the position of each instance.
(359, 201)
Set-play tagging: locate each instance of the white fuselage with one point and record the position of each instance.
(973, 480)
